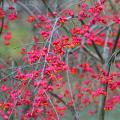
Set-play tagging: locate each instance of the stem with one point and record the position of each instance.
(44, 66)
(57, 97)
(70, 87)
(91, 53)
(97, 51)
(1, 29)
(46, 5)
(116, 41)
(105, 86)
(52, 106)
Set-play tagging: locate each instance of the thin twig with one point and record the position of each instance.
(27, 9)
(70, 87)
